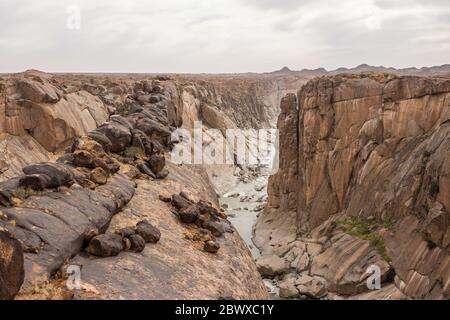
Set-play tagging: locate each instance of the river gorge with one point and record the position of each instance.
(88, 183)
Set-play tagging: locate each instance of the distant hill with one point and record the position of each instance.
(435, 70)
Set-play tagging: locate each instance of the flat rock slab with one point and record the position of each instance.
(55, 225)
(175, 267)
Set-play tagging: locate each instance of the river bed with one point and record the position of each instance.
(243, 204)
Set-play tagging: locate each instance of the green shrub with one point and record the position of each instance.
(23, 193)
(125, 108)
(365, 230)
(134, 152)
(434, 188)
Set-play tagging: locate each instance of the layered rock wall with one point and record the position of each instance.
(373, 158)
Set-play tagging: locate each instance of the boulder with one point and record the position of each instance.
(106, 245)
(163, 174)
(288, 289)
(99, 176)
(118, 133)
(313, 287)
(147, 231)
(216, 228)
(211, 247)
(84, 159)
(125, 232)
(154, 130)
(34, 181)
(38, 91)
(180, 202)
(102, 139)
(137, 243)
(271, 265)
(11, 266)
(57, 173)
(144, 168)
(189, 214)
(157, 163)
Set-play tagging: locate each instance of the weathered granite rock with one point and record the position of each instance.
(58, 174)
(118, 134)
(99, 176)
(11, 266)
(34, 181)
(157, 163)
(288, 288)
(106, 245)
(189, 214)
(147, 231)
(271, 265)
(137, 243)
(175, 268)
(61, 221)
(372, 148)
(212, 247)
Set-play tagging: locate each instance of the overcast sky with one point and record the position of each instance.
(221, 35)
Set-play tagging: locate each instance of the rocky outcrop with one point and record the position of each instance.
(368, 183)
(67, 213)
(11, 265)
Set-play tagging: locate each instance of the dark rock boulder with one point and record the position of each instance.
(208, 209)
(34, 181)
(6, 191)
(106, 245)
(180, 202)
(147, 231)
(84, 159)
(125, 232)
(157, 163)
(141, 141)
(101, 139)
(58, 173)
(137, 243)
(163, 174)
(215, 227)
(118, 134)
(211, 247)
(11, 266)
(154, 130)
(144, 168)
(189, 214)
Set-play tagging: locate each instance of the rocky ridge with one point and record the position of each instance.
(111, 148)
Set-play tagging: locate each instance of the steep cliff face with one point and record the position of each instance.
(367, 183)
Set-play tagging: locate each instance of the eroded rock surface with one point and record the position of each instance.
(11, 265)
(365, 181)
(110, 140)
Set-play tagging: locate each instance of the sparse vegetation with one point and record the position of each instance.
(125, 109)
(433, 188)
(22, 193)
(365, 230)
(134, 152)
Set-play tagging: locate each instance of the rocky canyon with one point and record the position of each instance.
(90, 196)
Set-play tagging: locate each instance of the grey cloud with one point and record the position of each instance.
(222, 35)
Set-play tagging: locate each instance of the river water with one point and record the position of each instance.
(243, 203)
